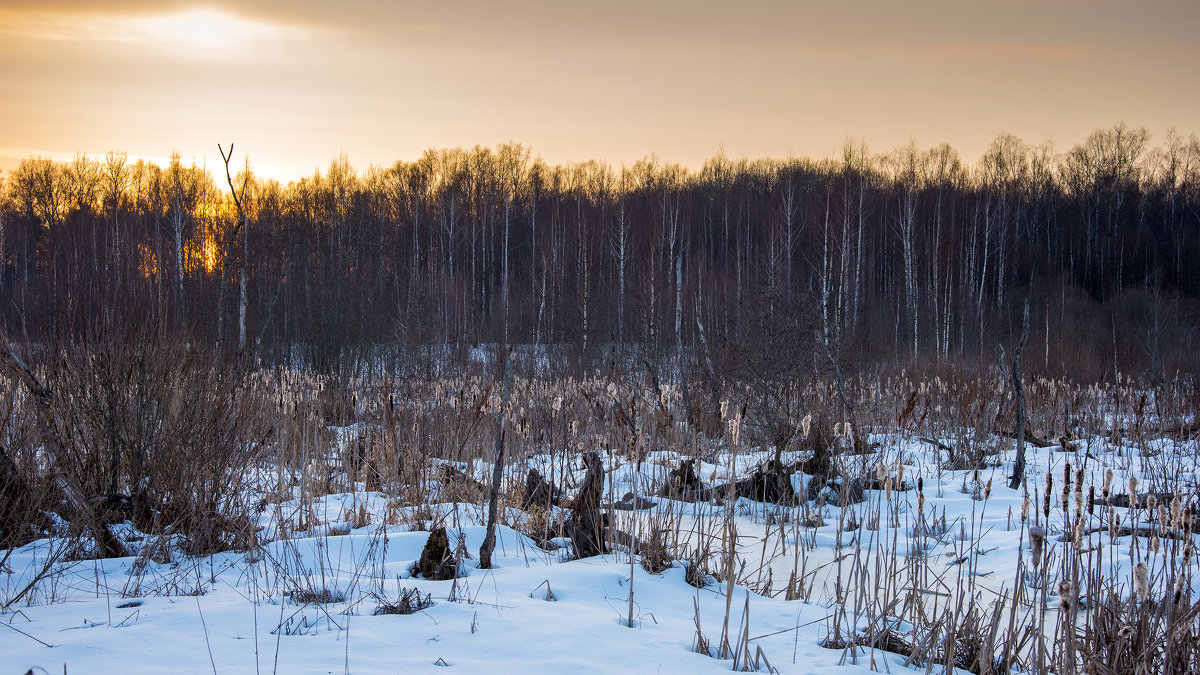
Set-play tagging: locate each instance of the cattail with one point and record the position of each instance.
(880, 472)
(1176, 512)
(1187, 556)
(1112, 526)
(805, 425)
(987, 490)
(1155, 542)
(1151, 503)
(1091, 503)
(1078, 504)
(1067, 477)
(920, 503)
(1141, 581)
(1077, 539)
(1025, 509)
(1037, 541)
(1066, 595)
(1132, 485)
(1046, 496)
(920, 484)
(1178, 589)
(1107, 488)
(1079, 478)
(1163, 522)
(899, 472)
(887, 488)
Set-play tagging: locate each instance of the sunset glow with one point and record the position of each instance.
(297, 84)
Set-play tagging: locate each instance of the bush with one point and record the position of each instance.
(170, 424)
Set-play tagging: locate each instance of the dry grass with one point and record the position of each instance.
(153, 421)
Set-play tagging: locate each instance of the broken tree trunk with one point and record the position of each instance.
(587, 523)
(539, 491)
(436, 563)
(78, 511)
(681, 480)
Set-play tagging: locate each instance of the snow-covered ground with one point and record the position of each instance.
(305, 601)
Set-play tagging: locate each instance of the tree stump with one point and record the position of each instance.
(586, 526)
(437, 561)
(681, 480)
(539, 491)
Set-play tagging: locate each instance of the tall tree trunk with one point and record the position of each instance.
(489, 540)
(1018, 474)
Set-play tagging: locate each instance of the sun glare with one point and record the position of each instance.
(203, 29)
(200, 31)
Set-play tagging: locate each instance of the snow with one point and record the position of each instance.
(538, 611)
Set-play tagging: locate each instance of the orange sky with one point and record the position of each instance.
(294, 84)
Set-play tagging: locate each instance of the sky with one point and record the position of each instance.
(295, 84)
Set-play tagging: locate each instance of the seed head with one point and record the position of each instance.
(1066, 595)
(1141, 581)
(1037, 542)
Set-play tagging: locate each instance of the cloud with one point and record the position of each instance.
(191, 32)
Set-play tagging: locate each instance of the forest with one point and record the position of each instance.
(907, 257)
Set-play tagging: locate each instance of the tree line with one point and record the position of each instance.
(907, 256)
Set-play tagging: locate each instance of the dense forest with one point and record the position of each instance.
(908, 257)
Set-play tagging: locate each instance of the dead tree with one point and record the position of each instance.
(1018, 474)
(489, 541)
(241, 225)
